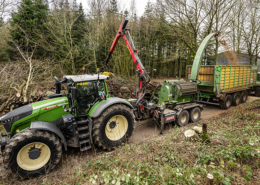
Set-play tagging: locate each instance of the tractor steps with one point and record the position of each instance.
(85, 148)
(84, 141)
(82, 128)
(84, 135)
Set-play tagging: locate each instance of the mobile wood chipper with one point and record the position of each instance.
(88, 115)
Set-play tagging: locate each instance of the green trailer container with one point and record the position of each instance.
(225, 85)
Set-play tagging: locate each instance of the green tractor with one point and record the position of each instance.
(37, 132)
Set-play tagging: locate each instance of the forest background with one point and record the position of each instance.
(41, 39)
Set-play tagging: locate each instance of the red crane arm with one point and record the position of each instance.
(130, 45)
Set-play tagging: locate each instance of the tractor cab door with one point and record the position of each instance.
(87, 94)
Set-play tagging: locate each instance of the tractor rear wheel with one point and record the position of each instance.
(32, 152)
(257, 91)
(244, 96)
(183, 118)
(227, 102)
(236, 99)
(113, 127)
(195, 114)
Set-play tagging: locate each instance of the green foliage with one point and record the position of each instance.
(28, 25)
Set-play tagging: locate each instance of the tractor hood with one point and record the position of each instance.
(15, 115)
(46, 110)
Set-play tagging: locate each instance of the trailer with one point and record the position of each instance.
(225, 85)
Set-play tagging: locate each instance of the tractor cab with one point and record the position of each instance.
(83, 91)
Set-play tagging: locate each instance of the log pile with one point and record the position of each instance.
(18, 98)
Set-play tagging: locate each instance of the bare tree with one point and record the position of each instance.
(251, 30)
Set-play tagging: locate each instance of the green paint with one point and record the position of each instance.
(39, 114)
(199, 55)
(254, 68)
(171, 95)
(96, 106)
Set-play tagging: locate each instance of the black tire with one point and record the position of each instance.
(100, 126)
(227, 102)
(195, 114)
(183, 118)
(257, 91)
(244, 96)
(27, 137)
(236, 99)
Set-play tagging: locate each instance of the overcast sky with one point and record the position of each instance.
(125, 4)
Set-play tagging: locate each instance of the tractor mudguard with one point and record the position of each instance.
(107, 104)
(42, 125)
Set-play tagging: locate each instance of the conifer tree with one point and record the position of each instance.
(114, 8)
(79, 26)
(28, 24)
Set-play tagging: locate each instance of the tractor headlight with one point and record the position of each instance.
(12, 117)
(7, 124)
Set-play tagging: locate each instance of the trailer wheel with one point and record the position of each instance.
(32, 152)
(195, 114)
(257, 91)
(244, 96)
(183, 118)
(227, 102)
(113, 127)
(236, 99)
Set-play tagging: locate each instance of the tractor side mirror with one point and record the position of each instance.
(57, 87)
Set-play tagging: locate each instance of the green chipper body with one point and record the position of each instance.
(175, 92)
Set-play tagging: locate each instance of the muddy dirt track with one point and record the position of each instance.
(145, 130)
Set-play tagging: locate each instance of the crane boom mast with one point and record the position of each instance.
(123, 32)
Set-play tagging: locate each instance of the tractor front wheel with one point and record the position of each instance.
(31, 152)
(113, 127)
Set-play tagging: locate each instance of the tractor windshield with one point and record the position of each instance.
(87, 95)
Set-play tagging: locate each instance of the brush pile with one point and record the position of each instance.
(17, 89)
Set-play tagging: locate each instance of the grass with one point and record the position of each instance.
(232, 156)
